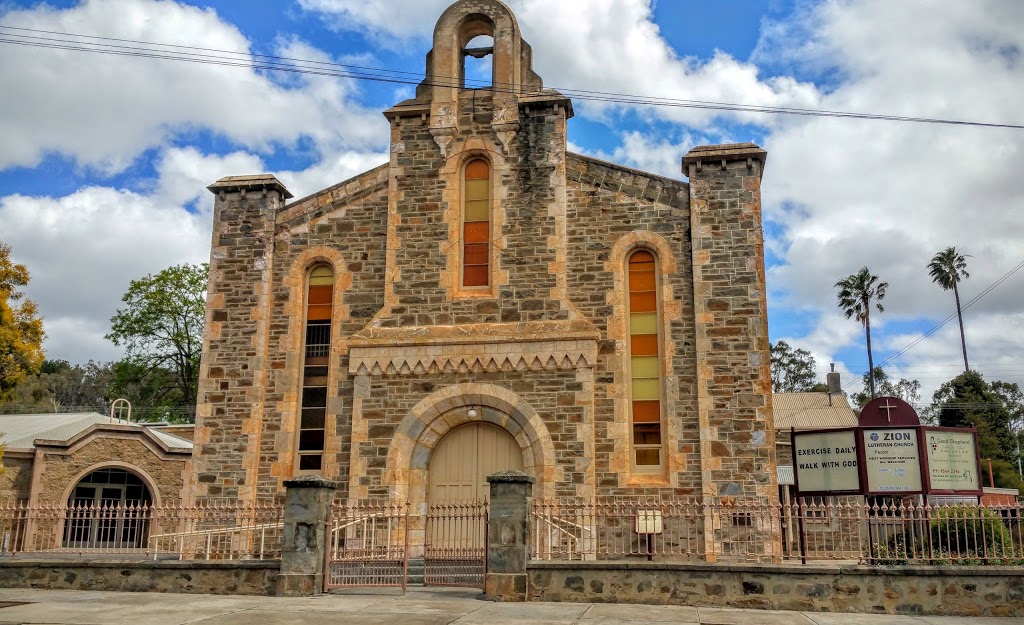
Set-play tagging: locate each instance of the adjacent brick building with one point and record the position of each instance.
(488, 300)
(89, 459)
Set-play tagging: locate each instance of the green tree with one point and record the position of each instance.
(947, 268)
(21, 329)
(1013, 398)
(969, 401)
(907, 390)
(61, 386)
(161, 329)
(856, 293)
(792, 369)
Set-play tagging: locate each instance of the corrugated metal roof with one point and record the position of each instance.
(21, 431)
(812, 411)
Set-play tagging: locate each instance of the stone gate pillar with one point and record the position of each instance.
(507, 536)
(307, 501)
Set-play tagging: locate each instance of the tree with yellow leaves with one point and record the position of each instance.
(21, 329)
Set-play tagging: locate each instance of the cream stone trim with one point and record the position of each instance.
(619, 431)
(290, 378)
(452, 172)
(477, 357)
(114, 464)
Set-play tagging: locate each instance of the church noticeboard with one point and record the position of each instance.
(825, 462)
(892, 462)
(952, 461)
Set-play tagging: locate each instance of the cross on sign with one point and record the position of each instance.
(887, 407)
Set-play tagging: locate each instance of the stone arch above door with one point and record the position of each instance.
(432, 418)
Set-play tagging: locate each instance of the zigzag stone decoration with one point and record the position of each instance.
(473, 358)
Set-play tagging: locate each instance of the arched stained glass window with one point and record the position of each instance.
(316, 358)
(645, 360)
(476, 224)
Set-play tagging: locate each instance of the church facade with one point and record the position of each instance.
(487, 300)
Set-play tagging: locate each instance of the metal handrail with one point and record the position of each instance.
(551, 522)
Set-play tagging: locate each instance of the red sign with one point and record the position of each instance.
(888, 412)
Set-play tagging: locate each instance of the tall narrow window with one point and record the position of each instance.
(645, 360)
(476, 224)
(319, 298)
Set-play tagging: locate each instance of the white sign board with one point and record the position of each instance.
(891, 460)
(952, 461)
(648, 522)
(826, 462)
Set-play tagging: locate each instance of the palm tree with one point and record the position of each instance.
(856, 291)
(947, 268)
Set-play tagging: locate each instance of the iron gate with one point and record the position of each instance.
(455, 552)
(371, 543)
(367, 545)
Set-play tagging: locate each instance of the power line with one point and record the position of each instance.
(266, 62)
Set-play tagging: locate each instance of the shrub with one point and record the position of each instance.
(971, 532)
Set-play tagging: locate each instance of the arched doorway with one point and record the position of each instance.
(108, 509)
(464, 458)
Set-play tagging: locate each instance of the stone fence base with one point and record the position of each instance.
(960, 591)
(238, 577)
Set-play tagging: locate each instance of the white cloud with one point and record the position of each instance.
(647, 153)
(83, 249)
(103, 111)
(890, 195)
(387, 21)
(598, 45)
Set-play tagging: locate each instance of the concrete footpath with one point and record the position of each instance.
(417, 607)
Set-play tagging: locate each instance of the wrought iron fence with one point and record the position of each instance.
(200, 532)
(847, 529)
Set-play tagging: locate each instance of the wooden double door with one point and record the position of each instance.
(464, 458)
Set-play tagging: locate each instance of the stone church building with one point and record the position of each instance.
(488, 300)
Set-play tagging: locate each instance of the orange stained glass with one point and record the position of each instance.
(475, 254)
(643, 345)
(475, 276)
(477, 169)
(641, 281)
(476, 219)
(647, 411)
(644, 351)
(643, 302)
(476, 232)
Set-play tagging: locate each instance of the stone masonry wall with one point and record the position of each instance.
(553, 393)
(918, 591)
(730, 306)
(60, 470)
(612, 210)
(425, 231)
(232, 375)
(16, 479)
(346, 227)
(211, 578)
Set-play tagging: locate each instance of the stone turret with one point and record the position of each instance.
(731, 313)
(231, 380)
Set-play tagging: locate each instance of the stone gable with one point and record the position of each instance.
(541, 350)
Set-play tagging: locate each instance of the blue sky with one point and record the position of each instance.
(105, 159)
